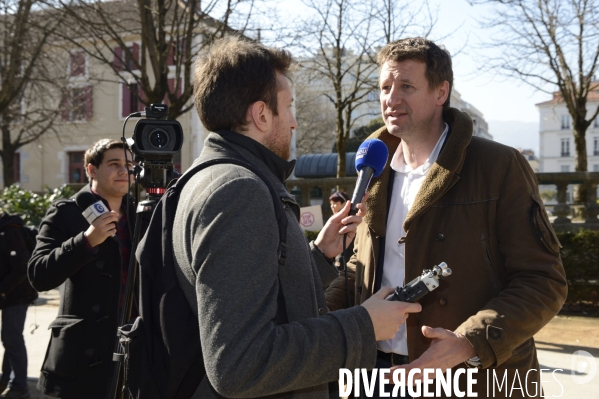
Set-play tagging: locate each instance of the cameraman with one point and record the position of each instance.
(90, 261)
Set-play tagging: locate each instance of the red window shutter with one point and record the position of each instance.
(135, 54)
(126, 102)
(142, 99)
(89, 102)
(64, 105)
(118, 59)
(77, 63)
(171, 55)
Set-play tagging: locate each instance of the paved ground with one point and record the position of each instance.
(556, 345)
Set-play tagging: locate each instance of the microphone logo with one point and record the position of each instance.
(99, 207)
(362, 151)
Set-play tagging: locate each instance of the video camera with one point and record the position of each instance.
(155, 142)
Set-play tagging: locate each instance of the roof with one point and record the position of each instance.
(593, 96)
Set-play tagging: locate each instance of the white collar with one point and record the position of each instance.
(399, 165)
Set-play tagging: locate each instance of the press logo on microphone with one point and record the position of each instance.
(361, 152)
(94, 211)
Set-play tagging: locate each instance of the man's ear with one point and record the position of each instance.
(91, 171)
(443, 93)
(260, 116)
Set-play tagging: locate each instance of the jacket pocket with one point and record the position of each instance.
(540, 227)
(65, 346)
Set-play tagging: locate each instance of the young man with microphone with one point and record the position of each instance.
(84, 245)
(263, 322)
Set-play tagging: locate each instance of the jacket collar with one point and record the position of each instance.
(443, 174)
(280, 167)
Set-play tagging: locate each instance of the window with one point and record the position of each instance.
(127, 57)
(77, 104)
(595, 168)
(565, 168)
(131, 99)
(565, 147)
(596, 122)
(76, 167)
(596, 145)
(77, 64)
(17, 167)
(565, 121)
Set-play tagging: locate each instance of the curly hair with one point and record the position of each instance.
(234, 74)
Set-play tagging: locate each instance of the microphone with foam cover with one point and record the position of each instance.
(370, 161)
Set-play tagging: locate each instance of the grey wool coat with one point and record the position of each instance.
(225, 239)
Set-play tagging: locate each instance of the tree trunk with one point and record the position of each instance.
(580, 162)
(8, 154)
(341, 142)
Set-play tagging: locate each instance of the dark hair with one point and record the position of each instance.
(339, 196)
(437, 60)
(95, 153)
(234, 74)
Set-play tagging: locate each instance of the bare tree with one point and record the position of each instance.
(315, 118)
(151, 44)
(548, 44)
(29, 102)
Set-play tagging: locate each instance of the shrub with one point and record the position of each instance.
(580, 255)
(311, 235)
(31, 206)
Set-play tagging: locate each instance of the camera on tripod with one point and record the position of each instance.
(155, 142)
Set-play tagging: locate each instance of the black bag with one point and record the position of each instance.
(163, 356)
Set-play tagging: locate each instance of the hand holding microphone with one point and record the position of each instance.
(102, 223)
(370, 160)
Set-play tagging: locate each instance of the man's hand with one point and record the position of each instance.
(447, 350)
(102, 228)
(387, 316)
(330, 238)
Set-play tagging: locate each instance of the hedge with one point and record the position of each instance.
(580, 255)
(30, 206)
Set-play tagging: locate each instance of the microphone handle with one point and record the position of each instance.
(364, 177)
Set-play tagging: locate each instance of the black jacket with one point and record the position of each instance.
(14, 255)
(78, 360)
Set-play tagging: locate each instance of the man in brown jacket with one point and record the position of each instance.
(446, 196)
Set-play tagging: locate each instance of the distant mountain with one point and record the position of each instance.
(516, 134)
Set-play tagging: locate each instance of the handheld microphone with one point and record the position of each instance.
(370, 161)
(94, 211)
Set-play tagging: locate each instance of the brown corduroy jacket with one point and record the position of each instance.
(479, 210)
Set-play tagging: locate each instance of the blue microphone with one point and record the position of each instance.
(370, 161)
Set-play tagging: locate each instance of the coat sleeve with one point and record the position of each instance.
(326, 270)
(535, 285)
(235, 260)
(336, 292)
(17, 256)
(58, 254)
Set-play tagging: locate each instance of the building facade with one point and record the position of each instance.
(557, 149)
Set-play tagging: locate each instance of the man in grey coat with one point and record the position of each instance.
(264, 328)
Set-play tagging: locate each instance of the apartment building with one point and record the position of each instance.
(557, 149)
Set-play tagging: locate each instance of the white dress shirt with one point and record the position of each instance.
(406, 184)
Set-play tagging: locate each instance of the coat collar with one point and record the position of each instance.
(443, 174)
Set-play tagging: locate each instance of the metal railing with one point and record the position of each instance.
(562, 212)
